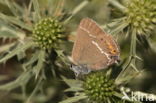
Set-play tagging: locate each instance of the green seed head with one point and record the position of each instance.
(98, 87)
(141, 15)
(47, 33)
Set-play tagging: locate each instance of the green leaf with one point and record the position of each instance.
(74, 99)
(40, 63)
(20, 48)
(114, 23)
(73, 83)
(6, 47)
(119, 95)
(15, 21)
(22, 12)
(7, 34)
(77, 9)
(39, 83)
(21, 55)
(117, 4)
(74, 89)
(37, 10)
(32, 60)
(119, 28)
(11, 7)
(23, 78)
(62, 57)
(127, 76)
(6, 31)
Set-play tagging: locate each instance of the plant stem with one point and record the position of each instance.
(131, 59)
(117, 5)
(39, 83)
(133, 49)
(77, 9)
(133, 43)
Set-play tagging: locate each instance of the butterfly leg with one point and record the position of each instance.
(75, 69)
(80, 69)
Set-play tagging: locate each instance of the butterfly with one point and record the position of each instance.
(93, 49)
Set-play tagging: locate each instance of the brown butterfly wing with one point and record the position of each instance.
(92, 27)
(84, 51)
(105, 41)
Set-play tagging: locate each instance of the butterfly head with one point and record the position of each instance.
(116, 59)
(114, 53)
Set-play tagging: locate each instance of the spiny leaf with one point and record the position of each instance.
(21, 55)
(15, 21)
(11, 7)
(114, 23)
(77, 9)
(6, 47)
(32, 60)
(127, 76)
(119, 28)
(72, 82)
(74, 89)
(40, 63)
(19, 8)
(7, 31)
(74, 99)
(23, 78)
(37, 10)
(35, 90)
(20, 48)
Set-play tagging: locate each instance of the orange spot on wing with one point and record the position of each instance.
(111, 48)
